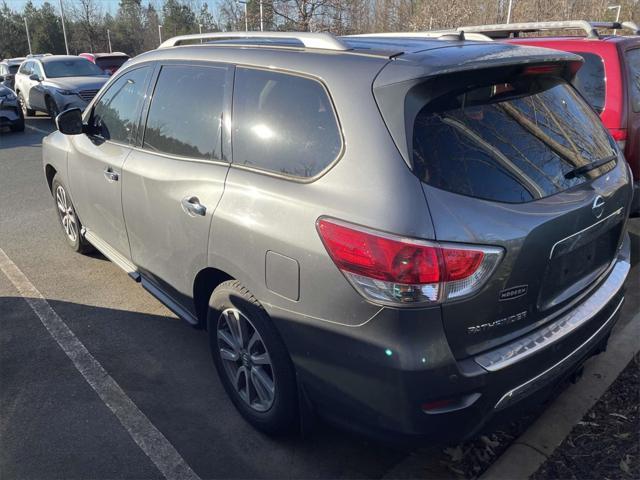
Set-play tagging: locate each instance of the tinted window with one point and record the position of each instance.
(185, 114)
(115, 115)
(513, 150)
(633, 61)
(13, 68)
(590, 80)
(283, 123)
(111, 63)
(75, 67)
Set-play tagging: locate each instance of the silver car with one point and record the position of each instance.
(54, 83)
(406, 236)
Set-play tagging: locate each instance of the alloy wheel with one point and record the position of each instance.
(67, 214)
(246, 360)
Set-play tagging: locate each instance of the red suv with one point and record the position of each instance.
(609, 78)
(109, 62)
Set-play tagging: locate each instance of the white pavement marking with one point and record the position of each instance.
(142, 431)
(37, 129)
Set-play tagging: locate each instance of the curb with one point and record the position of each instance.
(527, 453)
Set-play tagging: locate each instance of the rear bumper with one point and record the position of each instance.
(379, 378)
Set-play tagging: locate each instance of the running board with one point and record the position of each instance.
(169, 302)
(117, 258)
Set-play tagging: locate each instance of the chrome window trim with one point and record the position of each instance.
(524, 347)
(512, 392)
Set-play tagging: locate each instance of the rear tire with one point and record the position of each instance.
(69, 221)
(252, 360)
(27, 112)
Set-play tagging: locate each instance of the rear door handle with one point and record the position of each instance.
(110, 175)
(192, 206)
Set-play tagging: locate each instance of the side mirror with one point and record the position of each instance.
(69, 122)
(35, 77)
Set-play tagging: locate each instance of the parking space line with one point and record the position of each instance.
(150, 440)
(30, 127)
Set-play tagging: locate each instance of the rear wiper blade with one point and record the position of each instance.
(587, 168)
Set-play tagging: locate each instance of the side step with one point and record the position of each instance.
(111, 254)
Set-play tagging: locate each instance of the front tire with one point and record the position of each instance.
(69, 220)
(52, 109)
(252, 360)
(27, 112)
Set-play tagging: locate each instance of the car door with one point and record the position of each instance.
(95, 160)
(36, 92)
(173, 183)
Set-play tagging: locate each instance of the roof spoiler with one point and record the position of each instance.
(507, 29)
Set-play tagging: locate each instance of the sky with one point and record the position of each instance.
(107, 5)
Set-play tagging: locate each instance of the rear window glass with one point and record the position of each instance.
(111, 63)
(13, 68)
(509, 142)
(590, 80)
(283, 123)
(633, 60)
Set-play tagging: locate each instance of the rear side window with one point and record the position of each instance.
(115, 116)
(633, 61)
(590, 80)
(283, 123)
(186, 112)
(509, 142)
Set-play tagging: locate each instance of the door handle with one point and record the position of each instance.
(110, 175)
(193, 207)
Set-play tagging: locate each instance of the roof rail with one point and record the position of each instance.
(460, 34)
(506, 29)
(321, 40)
(633, 26)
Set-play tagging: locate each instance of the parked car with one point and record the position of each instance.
(54, 83)
(367, 230)
(609, 79)
(10, 112)
(8, 69)
(109, 62)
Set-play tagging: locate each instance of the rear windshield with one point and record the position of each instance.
(14, 68)
(111, 63)
(633, 60)
(510, 142)
(590, 80)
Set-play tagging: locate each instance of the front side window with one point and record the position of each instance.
(74, 67)
(512, 142)
(283, 123)
(186, 112)
(633, 61)
(590, 80)
(115, 115)
(25, 68)
(37, 69)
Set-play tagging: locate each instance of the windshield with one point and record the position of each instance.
(76, 67)
(512, 142)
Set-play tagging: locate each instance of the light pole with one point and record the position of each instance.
(160, 32)
(261, 19)
(64, 29)
(509, 11)
(26, 27)
(246, 19)
(618, 7)
(200, 30)
(109, 40)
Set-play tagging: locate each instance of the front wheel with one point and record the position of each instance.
(69, 221)
(251, 359)
(27, 112)
(52, 108)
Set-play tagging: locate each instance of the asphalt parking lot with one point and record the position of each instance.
(53, 424)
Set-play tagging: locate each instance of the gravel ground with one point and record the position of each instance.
(606, 443)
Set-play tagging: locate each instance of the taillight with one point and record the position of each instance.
(395, 270)
(620, 136)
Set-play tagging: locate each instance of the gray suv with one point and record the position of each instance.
(54, 83)
(408, 236)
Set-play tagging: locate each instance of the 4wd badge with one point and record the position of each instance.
(513, 292)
